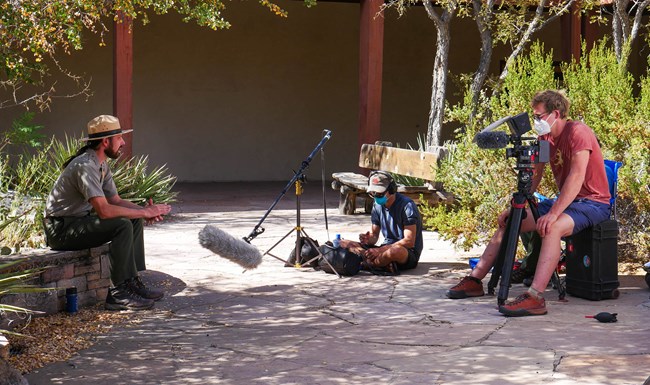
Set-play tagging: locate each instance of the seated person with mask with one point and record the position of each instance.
(398, 219)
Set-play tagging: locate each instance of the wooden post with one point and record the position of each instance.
(371, 47)
(123, 79)
(571, 28)
(589, 30)
(576, 32)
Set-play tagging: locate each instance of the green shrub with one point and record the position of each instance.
(602, 94)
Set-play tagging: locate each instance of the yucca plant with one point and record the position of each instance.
(21, 226)
(14, 283)
(137, 185)
(58, 152)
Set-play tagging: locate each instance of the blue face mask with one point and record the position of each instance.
(381, 201)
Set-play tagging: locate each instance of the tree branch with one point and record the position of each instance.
(636, 26)
(561, 12)
(431, 12)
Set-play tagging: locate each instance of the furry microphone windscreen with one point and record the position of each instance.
(229, 247)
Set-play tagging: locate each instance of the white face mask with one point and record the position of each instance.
(542, 127)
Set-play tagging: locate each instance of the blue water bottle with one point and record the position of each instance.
(71, 300)
(337, 241)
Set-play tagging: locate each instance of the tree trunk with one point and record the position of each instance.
(439, 86)
(626, 27)
(483, 17)
(619, 20)
(440, 68)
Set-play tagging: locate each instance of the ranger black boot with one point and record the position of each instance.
(122, 297)
(140, 289)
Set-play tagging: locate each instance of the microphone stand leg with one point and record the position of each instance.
(268, 252)
(300, 234)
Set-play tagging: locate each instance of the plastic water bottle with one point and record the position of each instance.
(71, 300)
(336, 243)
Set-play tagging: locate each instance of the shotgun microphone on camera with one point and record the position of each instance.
(229, 247)
(492, 140)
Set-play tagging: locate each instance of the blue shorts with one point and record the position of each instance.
(584, 212)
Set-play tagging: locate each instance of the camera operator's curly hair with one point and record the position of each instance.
(552, 100)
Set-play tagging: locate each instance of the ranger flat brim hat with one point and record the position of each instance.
(104, 126)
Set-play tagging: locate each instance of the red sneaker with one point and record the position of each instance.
(467, 287)
(524, 305)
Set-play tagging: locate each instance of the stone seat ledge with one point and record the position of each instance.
(44, 257)
(88, 270)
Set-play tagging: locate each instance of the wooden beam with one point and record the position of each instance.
(371, 48)
(123, 79)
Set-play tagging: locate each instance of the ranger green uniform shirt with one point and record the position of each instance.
(82, 179)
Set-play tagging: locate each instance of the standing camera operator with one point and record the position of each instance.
(578, 168)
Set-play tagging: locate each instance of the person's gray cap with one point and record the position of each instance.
(379, 182)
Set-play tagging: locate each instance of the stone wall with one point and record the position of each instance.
(88, 270)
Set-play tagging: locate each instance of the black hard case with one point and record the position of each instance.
(592, 262)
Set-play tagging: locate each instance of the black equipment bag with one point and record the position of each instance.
(342, 260)
(307, 252)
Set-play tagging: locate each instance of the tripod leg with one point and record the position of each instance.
(498, 262)
(507, 250)
(512, 238)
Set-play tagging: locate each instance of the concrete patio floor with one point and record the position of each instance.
(279, 325)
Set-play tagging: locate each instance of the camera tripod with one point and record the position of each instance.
(298, 180)
(508, 248)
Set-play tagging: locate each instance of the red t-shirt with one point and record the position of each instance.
(575, 137)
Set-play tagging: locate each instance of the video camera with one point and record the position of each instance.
(526, 155)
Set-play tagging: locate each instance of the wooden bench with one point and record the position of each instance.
(418, 164)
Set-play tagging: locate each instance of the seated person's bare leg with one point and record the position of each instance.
(549, 255)
(388, 253)
(391, 253)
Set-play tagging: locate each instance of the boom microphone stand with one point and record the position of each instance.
(298, 179)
